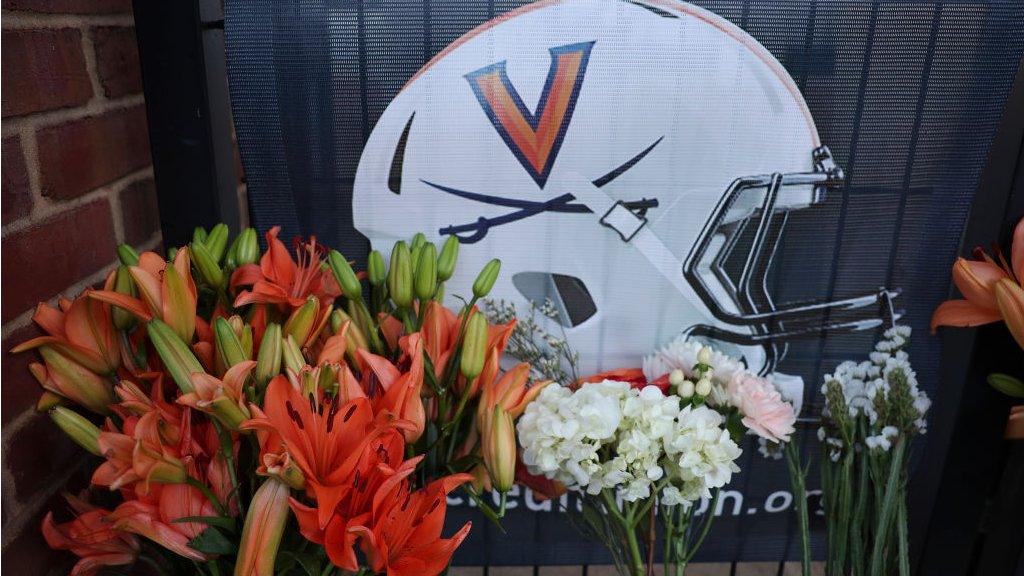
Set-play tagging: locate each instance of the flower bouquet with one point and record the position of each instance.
(873, 410)
(259, 413)
(643, 446)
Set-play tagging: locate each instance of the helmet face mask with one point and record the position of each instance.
(636, 167)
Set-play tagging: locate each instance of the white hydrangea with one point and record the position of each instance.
(701, 452)
(609, 435)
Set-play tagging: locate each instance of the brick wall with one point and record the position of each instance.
(77, 180)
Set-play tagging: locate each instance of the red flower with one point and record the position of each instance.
(633, 376)
(92, 537)
(282, 281)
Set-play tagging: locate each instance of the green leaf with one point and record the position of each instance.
(218, 521)
(309, 561)
(212, 541)
(1007, 385)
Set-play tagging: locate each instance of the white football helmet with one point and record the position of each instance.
(634, 161)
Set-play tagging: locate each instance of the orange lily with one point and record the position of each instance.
(166, 291)
(978, 280)
(282, 281)
(154, 516)
(80, 329)
(224, 399)
(405, 536)
(401, 391)
(323, 436)
(91, 537)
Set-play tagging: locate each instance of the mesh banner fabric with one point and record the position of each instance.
(906, 95)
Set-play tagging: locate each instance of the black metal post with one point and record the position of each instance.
(181, 50)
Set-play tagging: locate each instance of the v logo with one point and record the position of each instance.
(534, 137)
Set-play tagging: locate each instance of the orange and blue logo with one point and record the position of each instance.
(534, 137)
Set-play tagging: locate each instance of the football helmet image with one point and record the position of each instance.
(633, 161)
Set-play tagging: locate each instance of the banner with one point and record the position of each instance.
(782, 179)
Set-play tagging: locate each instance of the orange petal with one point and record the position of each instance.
(976, 279)
(1010, 297)
(1017, 251)
(962, 313)
(134, 306)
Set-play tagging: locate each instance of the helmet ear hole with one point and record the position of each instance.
(568, 294)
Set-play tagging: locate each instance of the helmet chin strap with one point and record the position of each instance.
(632, 229)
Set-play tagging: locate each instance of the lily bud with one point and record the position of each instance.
(264, 525)
(291, 354)
(474, 346)
(416, 252)
(176, 355)
(446, 261)
(75, 382)
(228, 345)
(217, 241)
(178, 299)
(344, 274)
(426, 272)
(686, 389)
(199, 234)
(376, 272)
(485, 280)
(400, 275)
(439, 294)
(248, 251)
(418, 239)
(676, 377)
(704, 356)
(268, 360)
(703, 387)
(354, 334)
(499, 450)
(78, 428)
(1010, 299)
(48, 401)
(303, 320)
(206, 264)
(282, 468)
(123, 284)
(127, 255)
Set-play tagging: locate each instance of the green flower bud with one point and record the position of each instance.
(376, 272)
(176, 355)
(426, 272)
(127, 255)
(78, 428)
(418, 240)
(268, 360)
(217, 241)
(485, 280)
(400, 275)
(439, 294)
(303, 320)
(474, 346)
(291, 355)
(345, 276)
(171, 253)
(206, 264)
(228, 345)
(123, 284)
(449, 255)
(199, 234)
(248, 247)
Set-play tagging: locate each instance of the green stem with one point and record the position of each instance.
(888, 510)
(705, 529)
(797, 481)
(208, 494)
(227, 449)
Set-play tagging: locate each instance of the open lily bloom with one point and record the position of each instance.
(92, 537)
(280, 280)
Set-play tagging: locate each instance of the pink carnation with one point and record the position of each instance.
(764, 411)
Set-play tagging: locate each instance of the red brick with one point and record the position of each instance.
(43, 70)
(33, 469)
(117, 60)
(20, 391)
(78, 156)
(141, 216)
(17, 197)
(70, 6)
(41, 261)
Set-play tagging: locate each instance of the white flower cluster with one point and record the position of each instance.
(607, 435)
(882, 390)
(682, 354)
